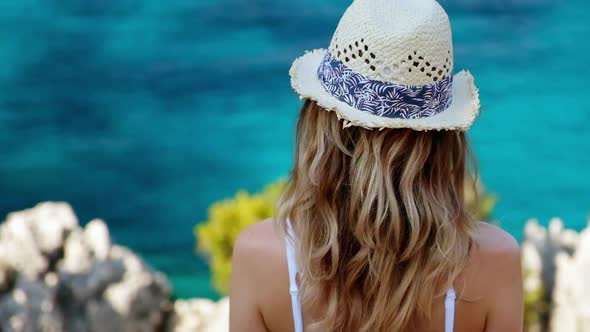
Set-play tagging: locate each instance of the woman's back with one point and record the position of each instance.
(488, 298)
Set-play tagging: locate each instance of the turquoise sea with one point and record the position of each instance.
(143, 112)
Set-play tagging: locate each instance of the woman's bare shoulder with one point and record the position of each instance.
(498, 277)
(495, 258)
(491, 241)
(260, 247)
(260, 238)
(260, 281)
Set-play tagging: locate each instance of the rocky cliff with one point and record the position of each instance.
(57, 276)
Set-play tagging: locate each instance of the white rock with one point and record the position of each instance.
(531, 258)
(19, 296)
(532, 284)
(563, 315)
(18, 247)
(131, 261)
(102, 288)
(28, 308)
(571, 294)
(52, 222)
(96, 235)
(7, 272)
(200, 315)
(17, 322)
(49, 222)
(51, 279)
(102, 318)
(141, 296)
(77, 256)
(220, 320)
(104, 274)
(544, 245)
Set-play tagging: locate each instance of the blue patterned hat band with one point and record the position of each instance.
(381, 98)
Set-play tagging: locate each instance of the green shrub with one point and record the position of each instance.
(227, 218)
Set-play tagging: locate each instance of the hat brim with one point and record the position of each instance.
(459, 116)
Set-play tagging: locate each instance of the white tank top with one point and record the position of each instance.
(296, 305)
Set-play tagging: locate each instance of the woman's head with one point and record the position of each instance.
(380, 220)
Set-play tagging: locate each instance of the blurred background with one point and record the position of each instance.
(145, 112)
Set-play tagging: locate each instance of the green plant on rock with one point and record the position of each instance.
(227, 218)
(536, 308)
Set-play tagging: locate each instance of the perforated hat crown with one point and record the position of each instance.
(390, 65)
(406, 42)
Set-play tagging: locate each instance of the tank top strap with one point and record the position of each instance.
(450, 310)
(293, 288)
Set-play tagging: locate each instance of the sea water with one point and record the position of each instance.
(143, 112)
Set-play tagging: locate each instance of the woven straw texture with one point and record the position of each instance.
(405, 42)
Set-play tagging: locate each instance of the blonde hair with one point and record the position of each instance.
(379, 221)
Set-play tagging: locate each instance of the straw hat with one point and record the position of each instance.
(390, 65)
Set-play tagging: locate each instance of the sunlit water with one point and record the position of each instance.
(143, 112)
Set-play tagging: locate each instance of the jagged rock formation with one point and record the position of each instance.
(571, 294)
(56, 276)
(556, 264)
(200, 315)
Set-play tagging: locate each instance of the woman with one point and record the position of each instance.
(374, 231)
